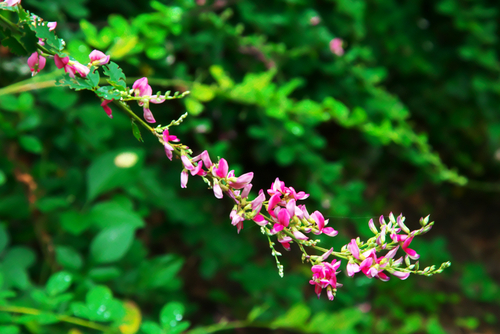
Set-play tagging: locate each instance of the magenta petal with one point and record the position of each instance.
(273, 201)
(222, 168)
(329, 231)
(217, 190)
(184, 178)
(260, 220)
(148, 116)
(383, 277)
(278, 227)
(352, 268)
(401, 275)
(106, 108)
(411, 253)
(60, 62)
(353, 248)
(284, 217)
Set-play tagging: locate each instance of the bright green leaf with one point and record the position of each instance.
(111, 243)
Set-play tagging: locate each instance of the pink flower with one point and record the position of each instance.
(217, 189)
(107, 109)
(321, 222)
(184, 178)
(11, 3)
(52, 25)
(404, 241)
(324, 276)
(284, 240)
(221, 169)
(168, 148)
(36, 63)
(240, 181)
(71, 67)
(282, 220)
(98, 58)
(142, 89)
(257, 202)
(205, 157)
(236, 220)
(336, 46)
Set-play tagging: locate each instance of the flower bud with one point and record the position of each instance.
(98, 58)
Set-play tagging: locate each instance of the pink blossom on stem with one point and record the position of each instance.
(283, 220)
(184, 178)
(186, 162)
(284, 240)
(324, 276)
(142, 89)
(166, 139)
(36, 63)
(321, 222)
(52, 25)
(236, 220)
(11, 3)
(240, 181)
(404, 241)
(98, 58)
(336, 46)
(221, 169)
(258, 201)
(106, 108)
(246, 190)
(205, 157)
(217, 189)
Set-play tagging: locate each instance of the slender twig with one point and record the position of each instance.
(64, 318)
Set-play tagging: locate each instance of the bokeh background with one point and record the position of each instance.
(406, 120)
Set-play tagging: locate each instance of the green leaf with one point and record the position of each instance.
(104, 274)
(10, 329)
(108, 93)
(74, 222)
(111, 244)
(102, 305)
(42, 31)
(115, 74)
(194, 107)
(111, 214)
(93, 77)
(221, 77)
(136, 132)
(77, 83)
(52, 203)
(296, 317)
(112, 170)
(171, 314)
(67, 257)
(13, 44)
(3, 178)
(29, 39)
(150, 327)
(4, 238)
(58, 283)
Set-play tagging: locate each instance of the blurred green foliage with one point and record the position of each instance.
(406, 119)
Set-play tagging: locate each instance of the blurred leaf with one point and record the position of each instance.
(295, 317)
(150, 327)
(104, 173)
(112, 214)
(58, 283)
(111, 243)
(68, 258)
(9, 329)
(4, 238)
(74, 222)
(136, 132)
(193, 106)
(104, 274)
(31, 144)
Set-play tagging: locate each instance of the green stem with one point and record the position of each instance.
(124, 107)
(64, 318)
(6, 23)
